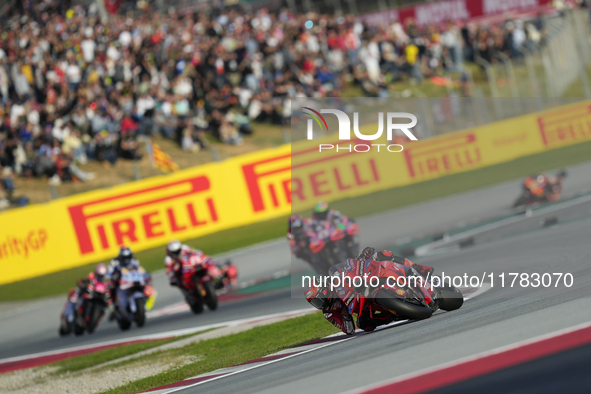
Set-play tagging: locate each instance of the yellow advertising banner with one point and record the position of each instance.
(91, 226)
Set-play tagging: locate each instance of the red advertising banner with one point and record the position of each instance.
(454, 11)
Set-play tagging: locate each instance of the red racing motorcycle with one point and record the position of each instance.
(198, 283)
(395, 288)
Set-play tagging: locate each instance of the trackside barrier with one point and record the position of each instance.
(91, 226)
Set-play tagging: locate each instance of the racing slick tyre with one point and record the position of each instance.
(520, 201)
(449, 298)
(211, 298)
(196, 307)
(403, 309)
(124, 324)
(140, 312)
(196, 299)
(78, 329)
(95, 315)
(65, 329)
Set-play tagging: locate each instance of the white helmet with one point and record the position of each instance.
(173, 249)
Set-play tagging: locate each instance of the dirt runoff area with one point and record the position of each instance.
(114, 373)
(42, 380)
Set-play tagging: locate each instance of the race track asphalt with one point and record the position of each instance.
(30, 327)
(499, 317)
(565, 372)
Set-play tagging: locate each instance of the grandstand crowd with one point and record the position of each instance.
(74, 89)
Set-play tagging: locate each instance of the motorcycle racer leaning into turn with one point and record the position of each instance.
(124, 260)
(75, 294)
(337, 312)
(182, 258)
(544, 187)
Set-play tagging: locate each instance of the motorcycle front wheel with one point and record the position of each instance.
(65, 329)
(92, 322)
(449, 298)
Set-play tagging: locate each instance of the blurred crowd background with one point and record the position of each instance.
(76, 86)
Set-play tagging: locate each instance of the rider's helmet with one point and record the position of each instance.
(319, 297)
(561, 174)
(174, 249)
(384, 255)
(296, 224)
(320, 211)
(542, 179)
(125, 256)
(100, 271)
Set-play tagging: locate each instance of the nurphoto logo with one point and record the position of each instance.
(345, 129)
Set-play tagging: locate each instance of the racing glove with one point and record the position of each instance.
(366, 254)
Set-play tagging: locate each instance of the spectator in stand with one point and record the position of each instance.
(74, 89)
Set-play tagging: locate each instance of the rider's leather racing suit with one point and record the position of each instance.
(114, 274)
(187, 262)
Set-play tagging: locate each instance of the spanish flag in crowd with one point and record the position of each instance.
(161, 159)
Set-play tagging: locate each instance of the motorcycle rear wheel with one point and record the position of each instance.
(401, 308)
(140, 312)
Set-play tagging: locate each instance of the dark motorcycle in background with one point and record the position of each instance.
(87, 308)
(94, 302)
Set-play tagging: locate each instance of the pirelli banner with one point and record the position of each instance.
(90, 227)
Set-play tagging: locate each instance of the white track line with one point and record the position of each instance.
(426, 250)
(256, 366)
(478, 292)
(165, 334)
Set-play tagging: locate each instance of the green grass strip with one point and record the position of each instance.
(234, 349)
(223, 241)
(102, 356)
